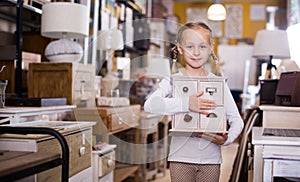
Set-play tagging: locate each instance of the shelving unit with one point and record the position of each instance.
(7, 12)
(126, 156)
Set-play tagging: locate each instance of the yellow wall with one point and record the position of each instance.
(249, 27)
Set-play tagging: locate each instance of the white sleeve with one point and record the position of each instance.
(233, 116)
(161, 101)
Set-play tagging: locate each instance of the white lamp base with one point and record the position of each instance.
(65, 58)
(63, 50)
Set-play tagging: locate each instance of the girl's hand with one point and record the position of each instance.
(215, 138)
(200, 105)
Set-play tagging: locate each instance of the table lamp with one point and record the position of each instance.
(110, 40)
(64, 21)
(271, 44)
(216, 11)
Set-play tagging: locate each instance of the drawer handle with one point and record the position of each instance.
(82, 151)
(212, 115)
(133, 116)
(82, 91)
(211, 90)
(109, 162)
(120, 120)
(187, 118)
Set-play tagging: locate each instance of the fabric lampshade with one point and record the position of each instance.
(271, 43)
(64, 19)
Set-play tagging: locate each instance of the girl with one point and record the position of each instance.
(195, 159)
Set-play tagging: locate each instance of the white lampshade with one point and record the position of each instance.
(64, 19)
(111, 39)
(216, 12)
(271, 43)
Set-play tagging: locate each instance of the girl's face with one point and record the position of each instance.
(195, 47)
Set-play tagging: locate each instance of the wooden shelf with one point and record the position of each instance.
(124, 129)
(122, 171)
(15, 164)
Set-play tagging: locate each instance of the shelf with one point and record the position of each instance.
(124, 129)
(16, 165)
(8, 11)
(122, 171)
(28, 7)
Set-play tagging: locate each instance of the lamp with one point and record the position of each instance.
(216, 11)
(64, 21)
(271, 44)
(109, 41)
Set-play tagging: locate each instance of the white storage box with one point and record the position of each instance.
(190, 122)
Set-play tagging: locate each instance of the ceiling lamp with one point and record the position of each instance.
(216, 11)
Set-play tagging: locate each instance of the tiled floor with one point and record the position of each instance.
(228, 152)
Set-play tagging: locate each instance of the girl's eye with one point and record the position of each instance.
(189, 46)
(202, 46)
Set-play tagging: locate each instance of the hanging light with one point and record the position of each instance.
(216, 11)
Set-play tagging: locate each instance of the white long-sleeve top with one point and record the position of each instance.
(193, 149)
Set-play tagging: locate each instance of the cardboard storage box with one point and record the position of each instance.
(73, 81)
(215, 122)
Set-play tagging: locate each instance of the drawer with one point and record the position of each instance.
(184, 88)
(150, 122)
(115, 118)
(118, 121)
(212, 91)
(106, 163)
(214, 121)
(83, 78)
(186, 120)
(80, 154)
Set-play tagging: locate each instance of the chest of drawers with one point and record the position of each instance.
(78, 136)
(213, 88)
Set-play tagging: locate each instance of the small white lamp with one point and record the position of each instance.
(271, 44)
(109, 41)
(216, 11)
(64, 21)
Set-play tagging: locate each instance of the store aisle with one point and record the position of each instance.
(228, 152)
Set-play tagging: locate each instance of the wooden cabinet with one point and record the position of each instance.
(119, 126)
(78, 136)
(73, 81)
(103, 163)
